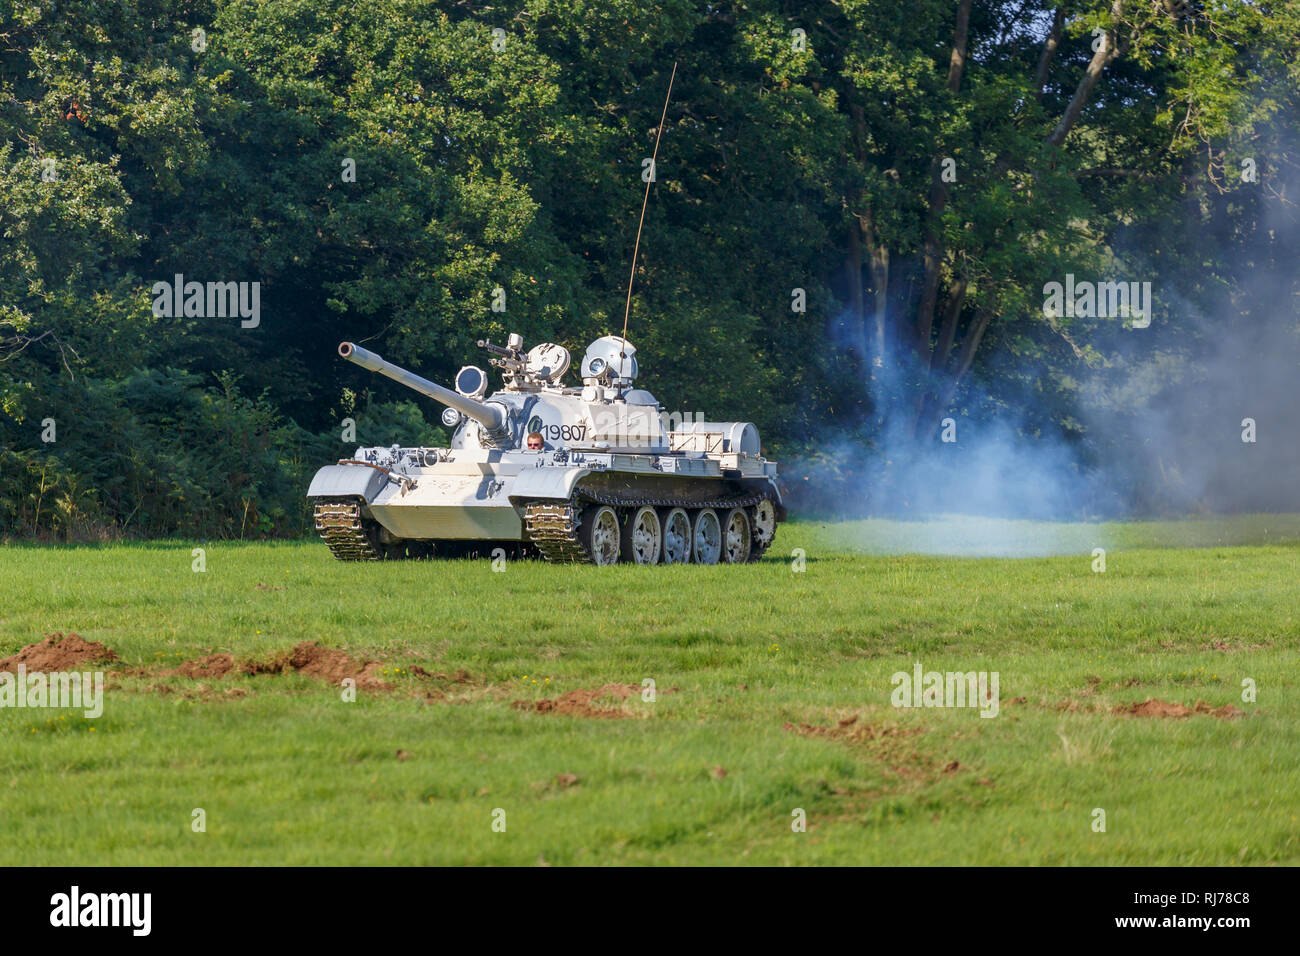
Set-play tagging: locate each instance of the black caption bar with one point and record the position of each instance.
(136, 906)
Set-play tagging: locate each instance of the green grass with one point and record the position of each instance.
(289, 773)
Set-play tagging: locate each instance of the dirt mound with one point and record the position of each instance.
(214, 665)
(322, 663)
(306, 658)
(1151, 707)
(59, 653)
(583, 703)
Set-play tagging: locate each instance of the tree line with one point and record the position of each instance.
(857, 206)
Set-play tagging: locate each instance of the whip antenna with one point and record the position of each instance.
(654, 166)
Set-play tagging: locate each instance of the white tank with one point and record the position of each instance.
(611, 480)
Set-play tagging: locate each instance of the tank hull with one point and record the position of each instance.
(483, 495)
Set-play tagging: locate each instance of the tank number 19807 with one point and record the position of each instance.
(564, 432)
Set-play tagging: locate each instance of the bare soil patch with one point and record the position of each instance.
(888, 744)
(1229, 647)
(849, 729)
(584, 703)
(201, 692)
(460, 677)
(1151, 707)
(214, 665)
(323, 663)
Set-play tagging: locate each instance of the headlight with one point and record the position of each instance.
(471, 381)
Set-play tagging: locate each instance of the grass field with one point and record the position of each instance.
(755, 668)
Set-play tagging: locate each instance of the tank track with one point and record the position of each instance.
(339, 523)
(553, 528)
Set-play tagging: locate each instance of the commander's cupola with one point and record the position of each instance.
(608, 370)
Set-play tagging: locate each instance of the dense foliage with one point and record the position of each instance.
(804, 160)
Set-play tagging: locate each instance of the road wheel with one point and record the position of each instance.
(706, 537)
(642, 540)
(599, 534)
(676, 524)
(736, 542)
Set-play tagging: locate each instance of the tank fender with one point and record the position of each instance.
(342, 481)
(546, 482)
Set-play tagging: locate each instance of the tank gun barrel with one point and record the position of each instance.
(493, 418)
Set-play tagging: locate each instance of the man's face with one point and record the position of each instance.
(534, 444)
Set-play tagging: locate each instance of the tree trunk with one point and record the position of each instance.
(1049, 51)
(880, 290)
(934, 403)
(864, 232)
(1100, 58)
(933, 256)
(948, 331)
(857, 338)
(969, 346)
(938, 199)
